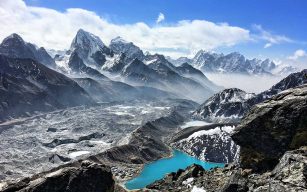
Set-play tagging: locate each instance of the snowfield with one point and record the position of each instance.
(194, 123)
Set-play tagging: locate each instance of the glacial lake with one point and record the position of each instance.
(158, 169)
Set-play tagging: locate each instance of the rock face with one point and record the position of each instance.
(230, 105)
(227, 106)
(88, 176)
(27, 86)
(271, 128)
(77, 65)
(14, 46)
(210, 143)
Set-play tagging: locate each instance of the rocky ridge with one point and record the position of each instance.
(233, 63)
(230, 105)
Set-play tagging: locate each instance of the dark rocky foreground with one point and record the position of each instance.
(79, 176)
(273, 154)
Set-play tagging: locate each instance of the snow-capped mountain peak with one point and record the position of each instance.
(86, 40)
(90, 49)
(228, 105)
(231, 63)
(131, 51)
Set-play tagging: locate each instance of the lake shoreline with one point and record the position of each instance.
(163, 167)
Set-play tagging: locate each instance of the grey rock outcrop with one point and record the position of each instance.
(271, 128)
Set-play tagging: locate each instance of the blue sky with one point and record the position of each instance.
(278, 25)
(283, 16)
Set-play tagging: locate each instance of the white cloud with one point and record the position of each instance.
(160, 18)
(267, 45)
(270, 37)
(298, 54)
(53, 29)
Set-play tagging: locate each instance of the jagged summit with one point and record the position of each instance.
(131, 51)
(14, 46)
(90, 48)
(84, 38)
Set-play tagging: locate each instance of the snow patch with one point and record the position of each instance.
(78, 153)
(197, 189)
(188, 181)
(194, 123)
(150, 61)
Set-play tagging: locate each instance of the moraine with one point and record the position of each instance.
(67, 135)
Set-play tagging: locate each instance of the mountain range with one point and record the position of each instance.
(101, 73)
(233, 63)
(32, 81)
(123, 61)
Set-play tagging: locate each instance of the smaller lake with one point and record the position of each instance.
(158, 169)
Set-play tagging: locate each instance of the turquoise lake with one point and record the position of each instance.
(158, 169)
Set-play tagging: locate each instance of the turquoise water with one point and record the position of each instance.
(158, 169)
